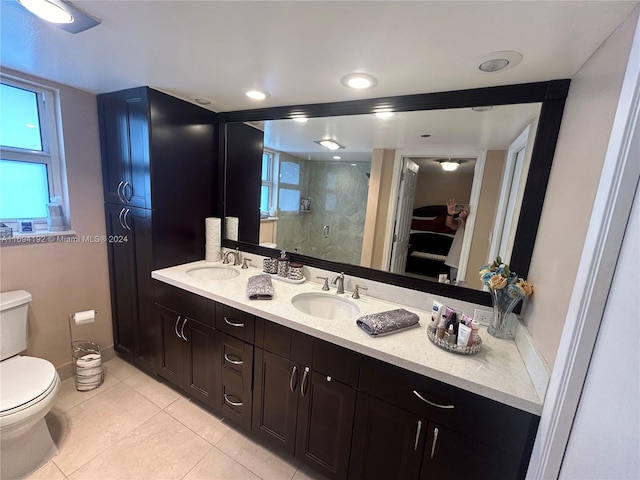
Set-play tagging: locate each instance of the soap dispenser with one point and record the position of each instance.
(283, 265)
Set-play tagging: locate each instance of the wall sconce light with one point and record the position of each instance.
(329, 143)
(61, 14)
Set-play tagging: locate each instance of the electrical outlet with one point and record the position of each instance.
(483, 317)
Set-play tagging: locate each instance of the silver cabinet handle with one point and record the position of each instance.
(234, 362)
(431, 403)
(233, 404)
(120, 218)
(126, 222)
(294, 374)
(233, 324)
(435, 440)
(127, 198)
(418, 430)
(182, 330)
(120, 194)
(305, 375)
(175, 328)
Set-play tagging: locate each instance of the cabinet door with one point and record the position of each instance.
(325, 422)
(388, 442)
(275, 400)
(449, 455)
(173, 353)
(124, 142)
(203, 370)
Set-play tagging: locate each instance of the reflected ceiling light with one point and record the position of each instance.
(300, 119)
(256, 94)
(425, 135)
(61, 13)
(329, 143)
(499, 61)
(450, 165)
(384, 114)
(483, 108)
(203, 101)
(353, 164)
(359, 81)
(337, 157)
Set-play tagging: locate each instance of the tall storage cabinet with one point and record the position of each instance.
(160, 167)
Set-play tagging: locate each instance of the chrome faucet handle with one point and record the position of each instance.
(325, 287)
(356, 295)
(244, 263)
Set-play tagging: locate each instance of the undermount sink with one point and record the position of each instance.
(323, 305)
(213, 272)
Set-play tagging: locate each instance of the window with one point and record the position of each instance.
(31, 174)
(266, 190)
(289, 187)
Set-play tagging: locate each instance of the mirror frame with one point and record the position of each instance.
(551, 94)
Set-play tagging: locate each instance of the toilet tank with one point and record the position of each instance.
(13, 322)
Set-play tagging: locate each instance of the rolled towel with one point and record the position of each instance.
(259, 287)
(391, 321)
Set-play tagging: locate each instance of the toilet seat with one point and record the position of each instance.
(25, 381)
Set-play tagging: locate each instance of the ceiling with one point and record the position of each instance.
(299, 50)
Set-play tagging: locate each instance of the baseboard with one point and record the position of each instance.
(66, 371)
(538, 369)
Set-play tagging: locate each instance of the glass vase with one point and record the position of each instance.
(503, 304)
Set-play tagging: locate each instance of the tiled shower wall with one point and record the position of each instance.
(338, 193)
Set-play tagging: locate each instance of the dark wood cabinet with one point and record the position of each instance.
(235, 400)
(150, 158)
(189, 354)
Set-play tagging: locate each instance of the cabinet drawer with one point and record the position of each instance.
(236, 398)
(237, 356)
(187, 303)
(336, 362)
(478, 417)
(235, 322)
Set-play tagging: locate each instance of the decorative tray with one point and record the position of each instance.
(468, 350)
(285, 279)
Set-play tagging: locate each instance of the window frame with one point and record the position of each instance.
(48, 102)
(269, 182)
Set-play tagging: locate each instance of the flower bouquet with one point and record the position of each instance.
(507, 289)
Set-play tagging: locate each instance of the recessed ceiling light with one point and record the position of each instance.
(384, 114)
(499, 61)
(359, 81)
(256, 94)
(203, 101)
(47, 11)
(329, 143)
(337, 157)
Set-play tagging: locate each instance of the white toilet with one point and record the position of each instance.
(28, 388)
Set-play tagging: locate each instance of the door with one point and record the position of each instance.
(404, 210)
(275, 400)
(387, 441)
(173, 351)
(326, 410)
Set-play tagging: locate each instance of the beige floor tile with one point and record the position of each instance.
(87, 429)
(204, 423)
(120, 368)
(217, 465)
(156, 391)
(306, 473)
(161, 448)
(256, 458)
(69, 396)
(48, 472)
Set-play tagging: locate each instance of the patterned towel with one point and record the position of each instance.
(376, 324)
(259, 287)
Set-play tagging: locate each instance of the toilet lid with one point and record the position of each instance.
(23, 379)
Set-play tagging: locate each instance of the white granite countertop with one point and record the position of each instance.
(496, 372)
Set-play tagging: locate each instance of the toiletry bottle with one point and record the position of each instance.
(475, 327)
(442, 327)
(450, 336)
(436, 314)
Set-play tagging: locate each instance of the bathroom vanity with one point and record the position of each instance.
(349, 405)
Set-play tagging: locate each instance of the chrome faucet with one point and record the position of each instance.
(236, 257)
(339, 281)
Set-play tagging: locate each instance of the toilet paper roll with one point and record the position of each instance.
(231, 228)
(88, 316)
(213, 239)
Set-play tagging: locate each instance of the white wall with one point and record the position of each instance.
(577, 165)
(605, 438)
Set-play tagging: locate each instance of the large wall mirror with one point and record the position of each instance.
(375, 204)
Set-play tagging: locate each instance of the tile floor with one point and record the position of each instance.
(135, 427)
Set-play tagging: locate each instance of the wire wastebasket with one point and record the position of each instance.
(87, 364)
